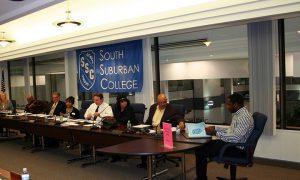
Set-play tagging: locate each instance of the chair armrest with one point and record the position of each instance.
(247, 148)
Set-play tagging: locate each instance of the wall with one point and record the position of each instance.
(212, 69)
(285, 145)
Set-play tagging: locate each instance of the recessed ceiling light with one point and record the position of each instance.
(207, 43)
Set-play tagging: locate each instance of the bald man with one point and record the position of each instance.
(34, 106)
(162, 111)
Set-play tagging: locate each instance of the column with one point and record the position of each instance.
(71, 75)
(146, 95)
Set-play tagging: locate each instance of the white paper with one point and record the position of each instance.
(140, 126)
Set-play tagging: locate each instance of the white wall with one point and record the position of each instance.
(285, 145)
(212, 69)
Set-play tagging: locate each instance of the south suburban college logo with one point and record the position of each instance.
(87, 69)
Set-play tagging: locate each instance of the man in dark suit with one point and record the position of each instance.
(162, 111)
(34, 106)
(56, 106)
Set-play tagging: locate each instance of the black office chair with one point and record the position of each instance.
(180, 108)
(84, 106)
(248, 151)
(139, 111)
(14, 103)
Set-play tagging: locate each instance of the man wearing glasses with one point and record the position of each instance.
(56, 106)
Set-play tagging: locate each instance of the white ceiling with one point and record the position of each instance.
(31, 21)
(10, 10)
(27, 27)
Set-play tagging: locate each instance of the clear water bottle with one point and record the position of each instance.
(128, 125)
(100, 124)
(25, 174)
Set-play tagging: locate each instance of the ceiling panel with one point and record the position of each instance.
(10, 10)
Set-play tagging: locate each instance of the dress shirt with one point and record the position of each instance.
(104, 110)
(240, 128)
(157, 116)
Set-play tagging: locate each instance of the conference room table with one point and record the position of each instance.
(115, 141)
(9, 175)
(150, 148)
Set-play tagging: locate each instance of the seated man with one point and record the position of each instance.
(240, 129)
(56, 107)
(34, 106)
(98, 109)
(162, 111)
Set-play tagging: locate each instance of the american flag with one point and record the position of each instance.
(2, 82)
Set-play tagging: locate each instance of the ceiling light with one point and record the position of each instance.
(298, 31)
(68, 22)
(4, 42)
(207, 43)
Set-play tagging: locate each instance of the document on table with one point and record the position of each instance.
(141, 126)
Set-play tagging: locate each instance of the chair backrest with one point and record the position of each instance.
(84, 106)
(139, 111)
(14, 106)
(259, 124)
(180, 109)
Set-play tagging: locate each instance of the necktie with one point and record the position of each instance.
(52, 109)
(95, 117)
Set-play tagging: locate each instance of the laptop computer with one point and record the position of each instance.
(186, 135)
(195, 130)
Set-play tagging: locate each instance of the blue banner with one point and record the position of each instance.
(111, 68)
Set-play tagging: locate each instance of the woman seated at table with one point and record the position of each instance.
(71, 111)
(5, 104)
(123, 111)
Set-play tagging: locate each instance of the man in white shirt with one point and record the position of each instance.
(238, 132)
(98, 109)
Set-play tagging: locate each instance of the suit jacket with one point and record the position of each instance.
(35, 107)
(170, 115)
(60, 107)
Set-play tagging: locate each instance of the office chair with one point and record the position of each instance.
(139, 111)
(249, 148)
(84, 106)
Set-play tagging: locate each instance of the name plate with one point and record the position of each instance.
(168, 137)
(196, 129)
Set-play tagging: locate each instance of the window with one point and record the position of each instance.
(202, 77)
(292, 76)
(17, 79)
(50, 76)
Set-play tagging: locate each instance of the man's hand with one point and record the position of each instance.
(89, 116)
(210, 130)
(181, 125)
(96, 114)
